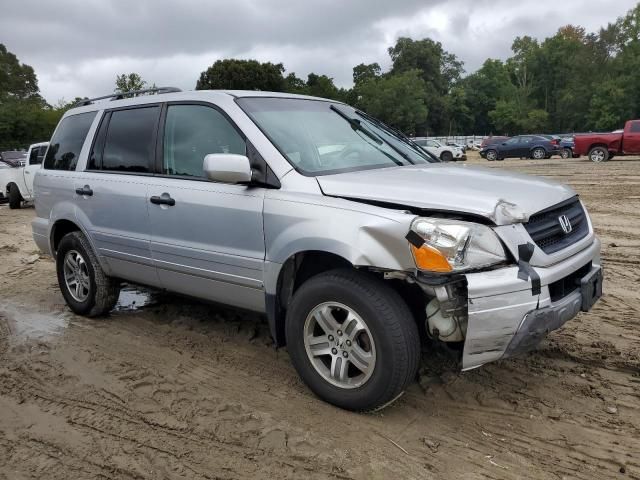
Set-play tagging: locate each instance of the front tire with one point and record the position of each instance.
(15, 199)
(352, 340)
(598, 154)
(446, 156)
(83, 283)
(491, 155)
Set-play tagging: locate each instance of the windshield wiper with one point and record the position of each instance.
(394, 131)
(356, 125)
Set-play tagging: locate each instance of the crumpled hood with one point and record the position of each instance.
(503, 197)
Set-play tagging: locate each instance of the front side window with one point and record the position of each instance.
(129, 144)
(635, 127)
(320, 137)
(67, 141)
(192, 132)
(512, 141)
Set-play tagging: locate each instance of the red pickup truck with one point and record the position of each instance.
(600, 147)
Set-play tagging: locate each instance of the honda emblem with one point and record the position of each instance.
(565, 223)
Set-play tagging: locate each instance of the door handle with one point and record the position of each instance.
(163, 199)
(85, 191)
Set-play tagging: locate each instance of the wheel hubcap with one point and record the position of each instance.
(597, 156)
(339, 345)
(491, 155)
(538, 154)
(76, 276)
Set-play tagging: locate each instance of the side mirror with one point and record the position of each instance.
(227, 168)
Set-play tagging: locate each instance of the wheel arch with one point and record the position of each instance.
(298, 268)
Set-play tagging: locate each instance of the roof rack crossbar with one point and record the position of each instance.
(121, 95)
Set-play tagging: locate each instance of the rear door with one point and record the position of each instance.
(207, 237)
(631, 140)
(112, 193)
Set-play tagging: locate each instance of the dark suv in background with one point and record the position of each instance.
(522, 146)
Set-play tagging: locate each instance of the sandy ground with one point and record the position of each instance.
(168, 388)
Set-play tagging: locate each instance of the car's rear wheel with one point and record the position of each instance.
(491, 155)
(598, 154)
(566, 153)
(538, 153)
(352, 339)
(83, 283)
(15, 198)
(446, 156)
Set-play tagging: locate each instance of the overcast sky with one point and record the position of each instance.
(77, 47)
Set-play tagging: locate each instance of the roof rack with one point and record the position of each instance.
(121, 95)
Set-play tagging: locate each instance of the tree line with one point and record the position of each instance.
(570, 82)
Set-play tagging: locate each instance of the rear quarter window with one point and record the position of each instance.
(67, 141)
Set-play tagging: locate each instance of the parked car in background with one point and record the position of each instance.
(15, 158)
(350, 253)
(566, 144)
(600, 147)
(492, 140)
(445, 153)
(522, 146)
(458, 145)
(16, 184)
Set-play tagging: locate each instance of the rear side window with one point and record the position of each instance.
(67, 142)
(192, 132)
(129, 144)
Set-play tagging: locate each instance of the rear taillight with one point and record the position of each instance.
(555, 142)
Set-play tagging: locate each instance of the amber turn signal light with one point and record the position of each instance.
(428, 258)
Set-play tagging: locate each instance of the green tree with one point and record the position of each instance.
(234, 74)
(399, 100)
(17, 80)
(129, 82)
(362, 73)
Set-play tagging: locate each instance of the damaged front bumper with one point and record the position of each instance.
(505, 318)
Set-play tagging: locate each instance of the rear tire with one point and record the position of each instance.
(318, 328)
(566, 153)
(15, 199)
(97, 294)
(538, 153)
(598, 154)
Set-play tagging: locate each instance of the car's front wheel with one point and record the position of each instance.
(83, 283)
(446, 156)
(352, 339)
(538, 153)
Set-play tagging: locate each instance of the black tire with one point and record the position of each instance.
(491, 155)
(538, 153)
(103, 291)
(446, 156)
(15, 199)
(390, 322)
(598, 154)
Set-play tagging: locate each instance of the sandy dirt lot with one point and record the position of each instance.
(169, 388)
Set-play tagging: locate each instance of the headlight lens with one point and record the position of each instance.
(451, 245)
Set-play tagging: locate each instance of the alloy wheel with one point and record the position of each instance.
(339, 345)
(76, 276)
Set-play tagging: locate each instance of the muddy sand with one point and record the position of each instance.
(168, 388)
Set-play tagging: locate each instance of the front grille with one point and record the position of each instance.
(546, 230)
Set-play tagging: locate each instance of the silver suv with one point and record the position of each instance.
(356, 244)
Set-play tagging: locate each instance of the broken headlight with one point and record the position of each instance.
(453, 246)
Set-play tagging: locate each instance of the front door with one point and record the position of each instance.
(34, 162)
(207, 238)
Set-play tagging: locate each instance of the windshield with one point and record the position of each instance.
(321, 138)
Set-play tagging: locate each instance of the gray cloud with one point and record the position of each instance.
(78, 47)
